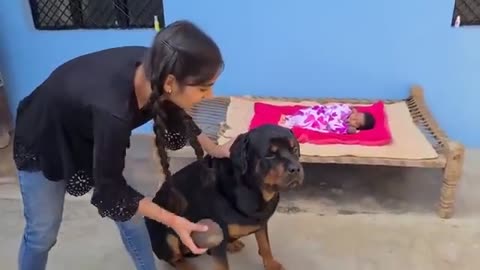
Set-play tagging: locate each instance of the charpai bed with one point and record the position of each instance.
(418, 140)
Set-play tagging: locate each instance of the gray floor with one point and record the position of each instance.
(344, 217)
(5, 121)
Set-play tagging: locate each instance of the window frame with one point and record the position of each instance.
(460, 8)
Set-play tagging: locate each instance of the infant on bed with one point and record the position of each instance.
(335, 118)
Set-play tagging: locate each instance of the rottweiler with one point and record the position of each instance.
(240, 194)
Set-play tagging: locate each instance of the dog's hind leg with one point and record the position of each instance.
(219, 255)
(235, 246)
(177, 260)
(265, 251)
(182, 265)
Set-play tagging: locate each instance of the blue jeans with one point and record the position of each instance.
(43, 209)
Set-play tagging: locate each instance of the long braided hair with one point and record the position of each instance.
(184, 51)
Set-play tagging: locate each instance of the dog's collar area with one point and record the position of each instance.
(250, 203)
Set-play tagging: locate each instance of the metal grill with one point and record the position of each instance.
(468, 10)
(96, 14)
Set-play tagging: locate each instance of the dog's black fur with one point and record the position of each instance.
(240, 194)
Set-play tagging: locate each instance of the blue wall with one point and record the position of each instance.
(317, 48)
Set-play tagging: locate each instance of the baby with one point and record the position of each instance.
(336, 118)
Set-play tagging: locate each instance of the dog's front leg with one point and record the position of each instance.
(219, 255)
(265, 251)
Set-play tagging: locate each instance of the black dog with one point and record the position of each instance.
(240, 194)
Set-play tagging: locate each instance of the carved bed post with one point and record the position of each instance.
(452, 174)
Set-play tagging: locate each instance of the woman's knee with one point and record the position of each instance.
(41, 237)
(43, 209)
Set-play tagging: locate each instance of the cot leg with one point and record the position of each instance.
(451, 177)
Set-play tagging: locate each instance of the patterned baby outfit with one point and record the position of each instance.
(328, 118)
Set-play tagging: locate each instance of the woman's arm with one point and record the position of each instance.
(112, 195)
(149, 209)
(213, 149)
(208, 145)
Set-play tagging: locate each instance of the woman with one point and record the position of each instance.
(72, 132)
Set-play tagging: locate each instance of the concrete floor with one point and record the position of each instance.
(344, 217)
(6, 168)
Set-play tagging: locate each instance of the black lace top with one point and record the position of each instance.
(76, 127)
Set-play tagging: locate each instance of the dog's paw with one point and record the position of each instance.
(273, 265)
(235, 246)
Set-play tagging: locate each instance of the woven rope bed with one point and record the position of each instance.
(448, 155)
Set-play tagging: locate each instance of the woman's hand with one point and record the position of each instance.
(180, 225)
(184, 229)
(351, 130)
(224, 149)
(218, 151)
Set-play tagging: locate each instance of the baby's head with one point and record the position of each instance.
(361, 120)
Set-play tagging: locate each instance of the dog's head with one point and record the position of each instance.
(267, 158)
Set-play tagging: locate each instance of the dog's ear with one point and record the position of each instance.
(239, 152)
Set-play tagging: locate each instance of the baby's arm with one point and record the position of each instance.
(351, 130)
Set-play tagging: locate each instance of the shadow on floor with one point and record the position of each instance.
(348, 189)
(329, 189)
(332, 189)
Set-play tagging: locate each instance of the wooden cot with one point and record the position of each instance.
(212, 116)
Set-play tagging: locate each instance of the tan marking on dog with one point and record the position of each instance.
(238, 231)
(184, 265)
(174, 243)
(268, 195)
(177, 259)
(235, 246)
(265, 251)
(273, 178)
(292, 143)
(220, 263)
(274, 175)
(273, 148)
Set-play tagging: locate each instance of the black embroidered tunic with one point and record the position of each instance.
(76, 127)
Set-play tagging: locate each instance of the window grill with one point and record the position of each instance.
(468, 10)
(96, 14)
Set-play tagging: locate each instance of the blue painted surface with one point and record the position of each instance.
(316, 48)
